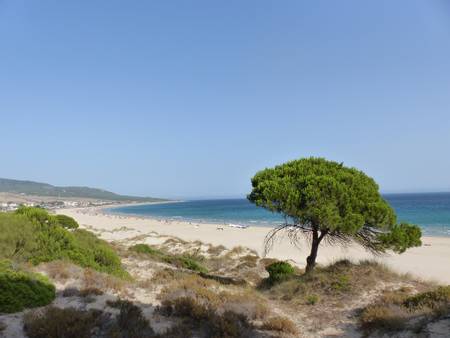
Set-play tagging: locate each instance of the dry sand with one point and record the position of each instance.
(431, 261)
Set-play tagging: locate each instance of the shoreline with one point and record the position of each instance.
(425, 262)
(107, 210)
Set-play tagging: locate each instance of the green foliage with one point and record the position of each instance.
(401, 237)
(66, 222)
(312, 299)
(146, 249)
(186, 262)
(16, 237)
(279, 271)
(182, 261)
(20, 289)
(325, 198)
(38, 215)
(90, 251)
(38, 237)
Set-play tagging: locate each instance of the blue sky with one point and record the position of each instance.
(191, 98)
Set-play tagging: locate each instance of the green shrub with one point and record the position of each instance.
(90, 251)
(181, 261)
(146, 249)
(40, 237)
(279, 271)
(38, 215)
(17, 237)
(431, 299)
(20, 289)
(66, 222)
(312, 299)
(187, 263)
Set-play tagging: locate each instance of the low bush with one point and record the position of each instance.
(433, 299)
(37, 236)
(332, 282)
(131, 322)
(187, 263)
(54, 322)
(17, 237)
(212, 294)
(180, 261)
(280, 324)
(21, 289)
(397, 310)
(205, 318)
(66, 222)
(146, 249)
(71, 292)
(92, 252)
(90, 292)
(279, 271)
(312, 299)
(383, 317)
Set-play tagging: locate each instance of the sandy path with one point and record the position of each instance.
(431, 261)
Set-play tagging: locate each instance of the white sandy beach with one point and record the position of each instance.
(431, 261)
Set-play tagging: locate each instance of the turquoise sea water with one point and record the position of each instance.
(431, 211)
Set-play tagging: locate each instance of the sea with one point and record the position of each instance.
(431, 211)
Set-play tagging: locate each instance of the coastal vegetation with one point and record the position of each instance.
(22, 289)
(328, 202)
(182, 261)
(176, 288)
(32, 235)
(279, 271)
(402, 310)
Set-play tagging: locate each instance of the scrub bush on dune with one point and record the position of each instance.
(21, 289)
(32, 234)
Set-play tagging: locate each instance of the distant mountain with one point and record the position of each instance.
(44, 189)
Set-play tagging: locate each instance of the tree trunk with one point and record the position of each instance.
(311, 259)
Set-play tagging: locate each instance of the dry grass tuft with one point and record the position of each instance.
(216, 250)
(334, 282)
(213, 294)
(59, 270)
(202, 317)
(90, 292)
(280, 324)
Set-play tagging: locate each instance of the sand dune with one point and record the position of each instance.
(430, 261)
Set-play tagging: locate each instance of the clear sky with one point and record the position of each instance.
(191, 98)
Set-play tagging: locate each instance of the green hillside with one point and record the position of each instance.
(44, 189)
